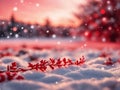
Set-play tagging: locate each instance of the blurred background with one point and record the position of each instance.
(89, 20)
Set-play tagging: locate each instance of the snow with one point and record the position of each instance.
(92, 75)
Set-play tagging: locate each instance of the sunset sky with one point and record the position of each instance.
(58, 11)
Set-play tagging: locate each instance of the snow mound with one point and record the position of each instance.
(88, 73)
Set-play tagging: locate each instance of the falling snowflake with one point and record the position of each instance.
(25, 30)
(14, 29)
(37, 4)
(47, 31)
(74, 37)
(32, 27)
(16, 35)
(53, 36)
(22, 1)
(3, 22)
(22, 27)
(8, 36)
(11, 33)
(58, 43)
(15, 9)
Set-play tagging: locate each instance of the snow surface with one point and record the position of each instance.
(93, 75)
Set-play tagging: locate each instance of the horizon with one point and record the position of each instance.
(37, 11)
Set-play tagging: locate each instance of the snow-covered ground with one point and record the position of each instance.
(94, 74)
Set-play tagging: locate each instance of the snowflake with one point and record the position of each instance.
(16, 35)
(53, 36)
(109, 8)
(14, 29)
(15, 9)
(102, 68)
(22, 27)
(108, 2)
(32, 27)
(47, 31)
(25, 30)
(37, 4)
(56, 82)
(58, 42)
(74, 37)
(3, 22)
(103, 39)
(11, 33)
(110, 28)
(8, 36)
(85, 45)
(22, 1)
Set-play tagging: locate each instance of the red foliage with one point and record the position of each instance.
(103, 54)
(102, 11)
(109, 62)
(42, 65)
(9, 76)
(2, 78)
(12, 67)
(19, 78)
(81, 61)
(3, 54)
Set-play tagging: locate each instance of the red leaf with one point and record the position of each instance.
(19, 78)
(2, 78)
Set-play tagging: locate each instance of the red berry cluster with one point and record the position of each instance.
(8, 76)
(3, 54)
(42, 65)
(55, 63)
(109, 62)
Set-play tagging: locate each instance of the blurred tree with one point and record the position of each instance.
(48, 29)
(100, 19)
(13, 29)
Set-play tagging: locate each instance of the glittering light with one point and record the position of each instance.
(32, 26)
(103, 39)
(14, 29)
(3, 22)
(47, 31)
(86, 33)
(56, 82)
(58, 42)
(22, 27)
(8, 36)
(108, 2)
(109, 28)
(109, 8)
(16, 35)
(85, 45)
(25, 30)
(22, 1)
(11, 33)
(74, 37)
(37, 4)
(53, 36)
(86, 24)
(102, 11)
(102, 68)
(104, 19)
(15, 9)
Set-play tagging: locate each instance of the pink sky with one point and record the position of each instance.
(58, 11)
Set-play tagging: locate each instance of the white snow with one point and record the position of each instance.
(93, 75)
